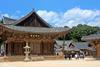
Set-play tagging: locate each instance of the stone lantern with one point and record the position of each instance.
(27, 51)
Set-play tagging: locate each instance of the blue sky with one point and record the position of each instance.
(19, 8)
(11, 6)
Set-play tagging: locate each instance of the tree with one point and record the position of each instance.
(1, 21)
(82, 30)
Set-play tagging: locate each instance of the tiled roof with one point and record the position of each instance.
(29, 14)
(66, 45)
(91, 37)
(82, 45)
(37, 29)
(8, 21)
(78, 45)
(60, 42)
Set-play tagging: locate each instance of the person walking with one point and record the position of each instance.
(76, 56)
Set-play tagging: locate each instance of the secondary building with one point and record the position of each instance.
(94, 40)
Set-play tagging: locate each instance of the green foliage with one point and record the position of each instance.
(82, 30)
(1, 21)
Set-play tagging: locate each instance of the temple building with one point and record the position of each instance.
(31, 29)
(94, 40)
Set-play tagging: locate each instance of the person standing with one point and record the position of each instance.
(76, 56)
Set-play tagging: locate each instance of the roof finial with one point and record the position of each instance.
(33, 10)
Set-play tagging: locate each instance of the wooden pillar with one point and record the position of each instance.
(5, 53)
(42, 47)
(93, 46)
(9, 49)
(52, 47)
(98, 50)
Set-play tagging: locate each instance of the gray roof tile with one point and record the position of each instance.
(37, 29)
(91, 37)
(78, 45)
(8, 21)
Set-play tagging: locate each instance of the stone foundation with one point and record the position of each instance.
(33, 58)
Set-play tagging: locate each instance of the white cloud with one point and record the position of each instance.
(7, 15)
(72, 17)
(18, 11)
(50, 16)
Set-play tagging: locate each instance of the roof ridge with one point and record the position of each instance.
(21, 19)
(8, 18)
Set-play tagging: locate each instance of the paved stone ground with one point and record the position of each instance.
(53, 63)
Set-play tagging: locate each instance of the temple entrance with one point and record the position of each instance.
(37, 47)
